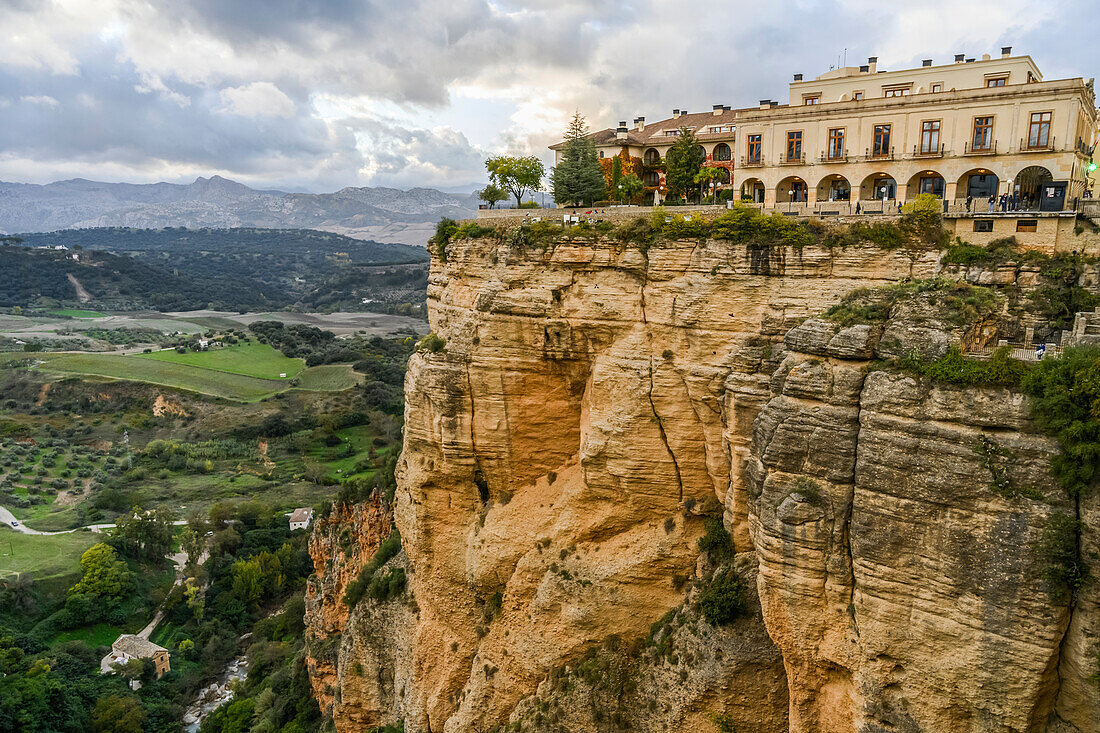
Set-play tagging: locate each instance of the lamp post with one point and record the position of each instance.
(790, 199)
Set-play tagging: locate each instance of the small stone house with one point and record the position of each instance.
(130, 646)
(301, 518)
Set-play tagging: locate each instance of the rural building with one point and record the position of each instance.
(301, 518)
(974, 127)
(131, 646)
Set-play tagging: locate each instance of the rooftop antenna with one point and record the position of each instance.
(845, 56)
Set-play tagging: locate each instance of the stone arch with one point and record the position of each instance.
(834, 187)
(752, 189)
(791, 188)
(651, 157)
(926, 181)
(722, 152)
(980, 183)
(1027, 184)
(875, 185)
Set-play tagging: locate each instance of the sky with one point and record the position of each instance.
(316, 95)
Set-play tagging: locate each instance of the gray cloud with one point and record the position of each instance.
(319, 95)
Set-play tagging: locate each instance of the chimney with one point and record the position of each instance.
(639, 123)
(872, 62)
(864, 69)
(620, 133)
(774, 104)
(765, 103)
(717, 109)
(960, 57)
(683, 113)
(926, 62)
(1006, 51)
(985, 57)
(675, 114)
(970, 61)
(798, 77)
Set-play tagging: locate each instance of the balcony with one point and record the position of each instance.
(825, 158)
(883, 155)
(988, 150)
(800, 160)
(1047, 147)
(752, 162)
(935, 152)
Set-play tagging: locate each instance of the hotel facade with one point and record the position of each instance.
(972, 128)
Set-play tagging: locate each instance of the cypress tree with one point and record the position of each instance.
(578, 179)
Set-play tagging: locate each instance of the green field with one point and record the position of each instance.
(236, 387)
(251, 360)
(76, 313)
(329, 378)
(44, 555)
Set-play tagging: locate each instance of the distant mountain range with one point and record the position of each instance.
(387, 215)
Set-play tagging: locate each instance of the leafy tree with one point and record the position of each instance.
(145, 534)
(515, 174)
(578, 179)
(117, 714)
(630, 188)
(706, 178)
(682, 163)
(491, 194)
(105, 575)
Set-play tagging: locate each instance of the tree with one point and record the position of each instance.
(491, 194)
(105, 575)
(616, 177)
(117, 714)
(578, 179)
(515, 174)
(683, 162)
(145, 534)
(630, 188)
(706, 178)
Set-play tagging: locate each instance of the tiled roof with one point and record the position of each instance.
(654, 132)
(301, 515)
(135, 646)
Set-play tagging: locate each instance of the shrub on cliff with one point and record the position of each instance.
(432, 343)
(1001, 370)
(922, 220)
(723, 600)
(716, 541)
(386, 551)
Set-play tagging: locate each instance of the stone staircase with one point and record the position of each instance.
(1086, 329)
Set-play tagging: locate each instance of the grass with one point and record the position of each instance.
(77, 313)
(251, 360)
(238, 387)
(44, 555)
(100, 634)
(329, 378)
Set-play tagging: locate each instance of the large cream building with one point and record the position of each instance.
(975, 127)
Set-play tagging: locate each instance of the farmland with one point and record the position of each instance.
(251, 359)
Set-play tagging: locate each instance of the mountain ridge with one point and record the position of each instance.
(383, 214)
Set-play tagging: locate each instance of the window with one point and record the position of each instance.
(1031, 78)
(1038, 135)
(983, 133)
(931, 184)
(881, 144)
(722, 152)
(897, 91)
(671, 133)
(812, 99)
(1027, 225)
(753, 153)
(652, 157)
(858, 96)
(794, 145)
(836, 143)
(652, 178)
(930, 136)
(937, 88)
(601, 153)
(999, 81)
(983, 225)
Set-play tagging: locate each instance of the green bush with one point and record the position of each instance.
(444, 231)
(385, 552)
(1064, 569)
(387, 585)
(723, 600)
(1001, 370)
(716, 541)
(432, 343)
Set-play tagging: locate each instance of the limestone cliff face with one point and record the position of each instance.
(594, 402)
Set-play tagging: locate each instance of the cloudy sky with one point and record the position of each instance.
(315, 95)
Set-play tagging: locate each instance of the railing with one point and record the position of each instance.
(988, 150)
(1020, 351)
(868, 155)
(754, 162)
(800, 160)
(824, 158)
(1044, 147)
(920, 152)
(1084, 148)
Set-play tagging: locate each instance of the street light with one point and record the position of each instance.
(790, 199)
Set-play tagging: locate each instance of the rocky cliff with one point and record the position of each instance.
(592, 403)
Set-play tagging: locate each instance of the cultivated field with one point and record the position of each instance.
(43, 555)
(251, 360)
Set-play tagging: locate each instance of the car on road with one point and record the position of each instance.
(15, 522)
